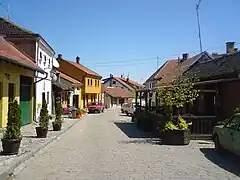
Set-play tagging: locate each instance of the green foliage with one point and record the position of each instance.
(14, 121)
(44, 117)
(180, 124)
(78, 111)
(58, 110)
(237, 110)
(182, 92)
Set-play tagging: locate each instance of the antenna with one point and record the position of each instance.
(199, 29)
(8, 11)
(157, 62)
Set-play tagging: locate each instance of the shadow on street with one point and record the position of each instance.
(137, 136)
(225, 160)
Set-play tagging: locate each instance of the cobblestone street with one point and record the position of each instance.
(108, 146)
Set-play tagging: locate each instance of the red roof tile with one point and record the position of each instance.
(117, 92)
(132, 83)
(83, 68)
(10, 53)
(70, 79)
(173, 69)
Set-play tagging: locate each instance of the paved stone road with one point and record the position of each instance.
(96, 148)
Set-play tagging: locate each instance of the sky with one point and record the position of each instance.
(126, 36)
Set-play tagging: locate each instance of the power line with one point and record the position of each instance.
(145, 60)
(112, 62)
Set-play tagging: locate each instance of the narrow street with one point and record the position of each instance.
(96, 148)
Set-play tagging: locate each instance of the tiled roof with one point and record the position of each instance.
(225, 65)
(10, 53)
(70, 79)
(123, 83)
(117, 92)
(174, 68)
(132, 83)
(154, 75)
(9, 28)
(83, 68)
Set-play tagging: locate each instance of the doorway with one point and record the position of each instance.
(1, 96)
(76, 101)
(25, 99)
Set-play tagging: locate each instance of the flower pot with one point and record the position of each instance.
(11, 146)
(176, 137)
(41, 133)
(56, 127)
(79, 116)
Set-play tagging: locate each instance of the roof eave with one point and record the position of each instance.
(22, 65)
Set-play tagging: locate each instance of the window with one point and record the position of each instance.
(49, 63)
(96, 84)
(234, 123)
(43, 97)
(91, 82)
(10, 92)
(45, 60)
(114, 82)
(47, 97)
(40, 57)
(88, 82)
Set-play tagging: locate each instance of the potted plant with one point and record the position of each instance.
(57, 124)
(176, 130)
(43, 122)
(12, 136)
(78, 113)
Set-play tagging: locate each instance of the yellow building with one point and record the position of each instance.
(91, 89)
(17, 72)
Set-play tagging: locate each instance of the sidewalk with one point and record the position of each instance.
(30, 145)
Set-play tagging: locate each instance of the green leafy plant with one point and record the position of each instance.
(180, 125)
(58, 110)
(44, 117)
(237, 110)
(181, 92)
(78, 112)
(14, 121)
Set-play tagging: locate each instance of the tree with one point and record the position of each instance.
(44, 117)
(182, 92)
(14, 121)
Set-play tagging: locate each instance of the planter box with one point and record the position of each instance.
(176, 137)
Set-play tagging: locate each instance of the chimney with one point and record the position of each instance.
(59, 56)
(185, 56)
(127, 79)
(111, 75)
(121, 75)
(230, 47)
(78, 59)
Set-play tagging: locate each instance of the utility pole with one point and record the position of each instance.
(199, 29)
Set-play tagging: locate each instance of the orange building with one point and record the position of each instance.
(91, 89)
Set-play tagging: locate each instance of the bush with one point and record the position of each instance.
(14, 121)
(44, 117)
(78, 112)
(58, 110)
(180, 124)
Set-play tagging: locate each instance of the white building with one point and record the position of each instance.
(45, 59)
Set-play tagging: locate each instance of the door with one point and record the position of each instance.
(236, 141)
(229, 130)
(25, 99)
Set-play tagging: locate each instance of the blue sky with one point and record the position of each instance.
(117, 31)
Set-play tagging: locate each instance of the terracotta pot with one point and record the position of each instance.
(79, 115)
(11, 146)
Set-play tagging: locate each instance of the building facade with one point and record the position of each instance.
(17, 73)
(91, 89)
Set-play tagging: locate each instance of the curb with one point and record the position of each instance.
(6, 174)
